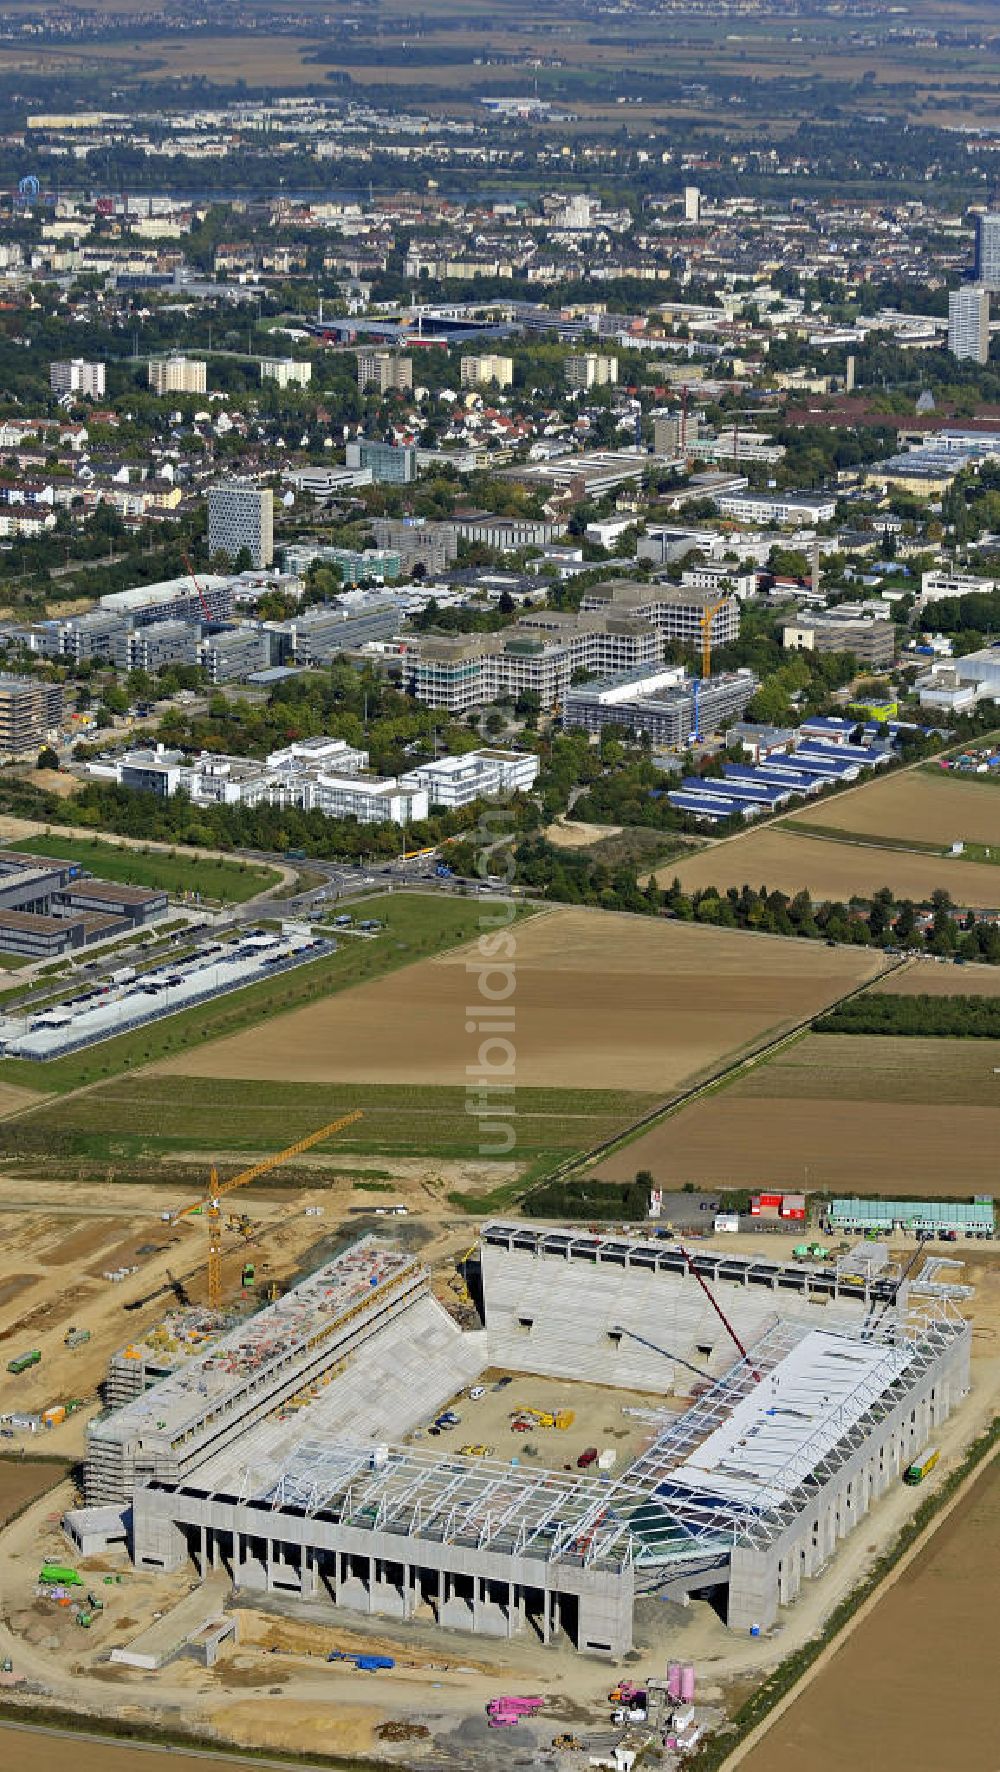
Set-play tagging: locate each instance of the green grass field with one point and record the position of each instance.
(124, 1126)
(231, 881)
(416, 927)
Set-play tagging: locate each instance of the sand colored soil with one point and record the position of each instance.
(787, 862)
(851, 1114)
(933, 980)
(564, 835)
(13, 1097)
(937, 808)
(599, 1001)
(915, 1684)
(21, 1482)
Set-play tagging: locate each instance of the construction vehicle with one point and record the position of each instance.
(211, 1207)
(564, 1743)
(23, 1362)
(57, 1575)
(475, 1451)
(921, 1467)
(76, 1337)
(248, 1275)
(506, 1713)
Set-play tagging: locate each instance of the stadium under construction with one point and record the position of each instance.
(288, 1450)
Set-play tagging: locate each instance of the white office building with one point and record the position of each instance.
(453, 782)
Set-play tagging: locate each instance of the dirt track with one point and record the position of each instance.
(784, 862)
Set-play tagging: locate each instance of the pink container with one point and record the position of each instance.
(687, 1683)
(674, 1679)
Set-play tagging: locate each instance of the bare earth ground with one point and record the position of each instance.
(786, 863)
(931, 979)
(844, 1113)
(578, 836)
(599, 1000)
(930, 808)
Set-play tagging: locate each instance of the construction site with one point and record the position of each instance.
(777, 1403)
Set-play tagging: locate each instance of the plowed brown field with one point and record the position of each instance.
(787, 862)
(598, 1001)
(844, 1113)
(929, 808)
(914, 1687)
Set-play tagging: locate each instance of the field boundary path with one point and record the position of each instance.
(717, 1079)
(759, 1733)
(133, 1745)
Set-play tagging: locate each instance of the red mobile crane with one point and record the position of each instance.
(201, 595)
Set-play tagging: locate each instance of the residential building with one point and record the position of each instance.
(476, 372)
(30, 710)
(986, 270)
(692, 203)
(872, 640)
(590, 370)
(77, 377)
(389, 464)
(384, 370)
(675, 433)
(288, 372)
(969, 323)
(178, 375)
(241, 516)
(231, 656)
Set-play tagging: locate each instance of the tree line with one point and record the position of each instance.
(964, 1018)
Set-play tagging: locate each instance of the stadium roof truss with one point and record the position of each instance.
(652, 1515)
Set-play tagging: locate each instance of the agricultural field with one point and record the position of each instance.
(919, 806)
(122, 1125)
(597, 1001)
(787, 860)
(174, 872)
(929, 978)
(932, 1631)
(843, 1114)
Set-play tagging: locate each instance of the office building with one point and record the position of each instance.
(241, 516)
(385, 371)
(675, 433)
(154, 647)
(537, 656)
(418, 542)
(987, 260)
(870, 639)
(969, 323)
(391, 464)
(77, 377)
(211, 598)
(589, 370)
(230, 657)
(476, 372)
(178, 375)
(29, 711)
(676, 612)
(660, 703)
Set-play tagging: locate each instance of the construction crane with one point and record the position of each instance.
(206, 612)
(717, 1308)
(707, 617)
(211, 1204)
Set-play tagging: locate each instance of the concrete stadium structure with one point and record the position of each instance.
(280, 1452)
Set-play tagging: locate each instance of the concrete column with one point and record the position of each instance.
(546, 1617)
(203, 1554)
(442, 1593)
(268, 1564)
(237, 1555)
(371, 1583)
(511, 1591)
(475, 1601)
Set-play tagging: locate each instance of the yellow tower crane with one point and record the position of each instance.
(708, 615)
(211, 1204)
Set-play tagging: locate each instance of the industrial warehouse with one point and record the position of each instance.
(293, 1451)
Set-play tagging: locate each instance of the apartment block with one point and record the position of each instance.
(77, 377)
(969, 323)
(241, 516)
(288, 372)
(178, 375)
(385, 371)
(477, 372)
(590, 370)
